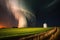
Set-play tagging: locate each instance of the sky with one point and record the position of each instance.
(6, 18)
(46, 11)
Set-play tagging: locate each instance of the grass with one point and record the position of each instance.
(11, 32)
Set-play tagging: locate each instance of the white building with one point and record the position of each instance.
(45, 25)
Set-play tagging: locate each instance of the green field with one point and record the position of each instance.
(11, 32)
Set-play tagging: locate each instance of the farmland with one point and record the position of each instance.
(11, 32)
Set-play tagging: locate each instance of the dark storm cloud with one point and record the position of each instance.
(46, 11)
(6, 17)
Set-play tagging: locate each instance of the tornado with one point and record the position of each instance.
(19, 13)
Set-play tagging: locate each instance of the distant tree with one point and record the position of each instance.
(14, 27)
